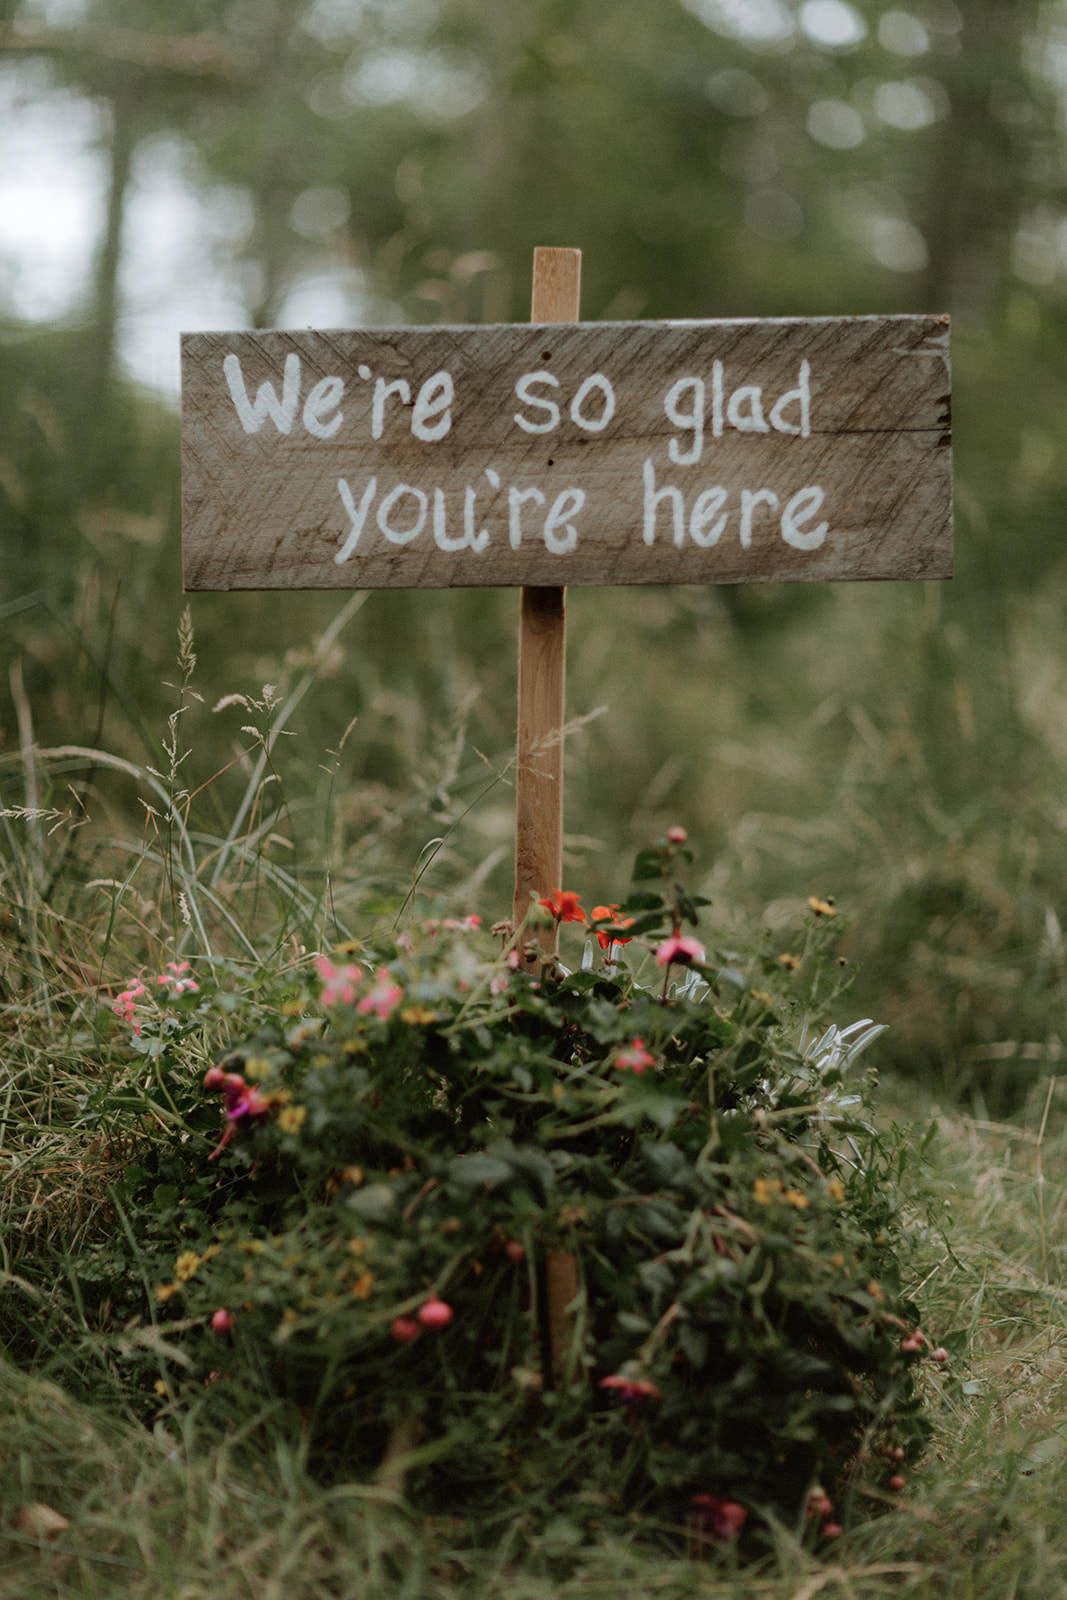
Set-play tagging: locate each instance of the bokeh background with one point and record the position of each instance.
(901, 747)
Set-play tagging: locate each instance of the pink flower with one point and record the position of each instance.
(720, 1517)
(338, 983)
(123, 1004)
(222, 1320)
(435, 1313)
(635, 1057)
(462, 924)
(175, 979)
(383, 997)
(679, 951)
(633, 1390)
(498, 984)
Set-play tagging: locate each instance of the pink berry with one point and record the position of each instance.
(516, 1251)
(435, 1313)
(676, 835)
(222, 1320)
(404, 1329)
(896, 1482)
(940, 1354)
(831, 1530)
(214, 1078)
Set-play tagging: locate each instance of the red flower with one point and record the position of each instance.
(722, 1518)
(678, 951)
(609, 914)
(564, 905)
(632, 1390)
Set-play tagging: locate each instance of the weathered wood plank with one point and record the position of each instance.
(671, 452)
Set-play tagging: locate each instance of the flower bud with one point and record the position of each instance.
(222, 1320)
(404, 1329)
(435, 1313)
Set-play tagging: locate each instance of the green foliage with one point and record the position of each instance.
(415, 1133)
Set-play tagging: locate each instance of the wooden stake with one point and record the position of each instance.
(542, 667)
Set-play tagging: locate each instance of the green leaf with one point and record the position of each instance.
(647, 864)
(471, 1172)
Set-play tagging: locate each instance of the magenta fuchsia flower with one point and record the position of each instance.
(720, 1517)
(242, 1102)
(679, 951)
(635, 1057)
(635, 1391)
(338, 983)
(383, 997)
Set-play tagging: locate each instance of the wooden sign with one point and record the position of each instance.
(672, 453)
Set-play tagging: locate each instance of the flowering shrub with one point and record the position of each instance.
(355, 1208)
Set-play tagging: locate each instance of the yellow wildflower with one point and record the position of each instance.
(363, 1287)
(835, 1189)
(258, 1067)
(162, 1389)
(797, 1198)
(822, 908)
(789, 962)
(414, 1015)
(166, 1290)
(353, 1175)
(874, 1289)
(186, 1265)
(291, 1118)
(357, 1245)
(764, 1188)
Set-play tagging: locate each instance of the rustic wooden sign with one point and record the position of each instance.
(655, 452)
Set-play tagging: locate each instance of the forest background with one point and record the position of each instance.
(898, 746)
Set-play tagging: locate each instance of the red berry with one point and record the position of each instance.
(404, 1329)
(896, 1482)
(435, 1313)
(515, 1251)
(676, 835)
(222, 1321)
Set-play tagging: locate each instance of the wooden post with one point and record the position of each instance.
(555, 298)
(542, 666)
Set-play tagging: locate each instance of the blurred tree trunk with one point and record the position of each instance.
(105, 292)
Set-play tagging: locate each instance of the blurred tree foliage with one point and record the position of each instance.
(711, 157)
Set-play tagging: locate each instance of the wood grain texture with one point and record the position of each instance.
(264, 508)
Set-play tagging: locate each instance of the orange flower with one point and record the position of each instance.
(609, 914)
(564, 905)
